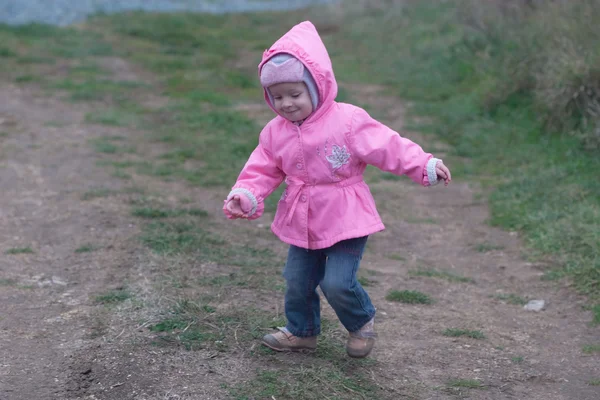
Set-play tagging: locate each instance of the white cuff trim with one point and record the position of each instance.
(249, 195)
(431, 174)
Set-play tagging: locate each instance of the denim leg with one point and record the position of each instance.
(303, 271)
(344, 293)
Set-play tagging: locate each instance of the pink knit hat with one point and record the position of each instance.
(286, 68)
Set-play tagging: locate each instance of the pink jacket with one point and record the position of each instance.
(322, 161)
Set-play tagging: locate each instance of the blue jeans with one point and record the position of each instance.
(334, 269)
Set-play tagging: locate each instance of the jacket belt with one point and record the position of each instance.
(296, 185)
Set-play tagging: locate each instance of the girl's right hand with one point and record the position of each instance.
(238, 207)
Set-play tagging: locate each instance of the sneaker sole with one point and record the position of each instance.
(289, 349)
(358, 355)
(361, 353)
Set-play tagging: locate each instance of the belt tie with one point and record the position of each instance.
(296, 185)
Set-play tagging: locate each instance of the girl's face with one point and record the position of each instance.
(292, 100)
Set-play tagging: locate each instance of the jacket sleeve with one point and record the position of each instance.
(376, 144)
(258, 179)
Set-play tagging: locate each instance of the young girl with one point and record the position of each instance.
(321, 149)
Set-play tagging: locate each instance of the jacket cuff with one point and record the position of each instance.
(249, 195)
(430, 169)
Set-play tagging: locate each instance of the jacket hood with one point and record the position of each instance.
(304, 43)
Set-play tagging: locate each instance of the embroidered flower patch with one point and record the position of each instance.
(339, 156)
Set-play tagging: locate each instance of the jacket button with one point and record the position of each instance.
(299, 166)
(303, 198)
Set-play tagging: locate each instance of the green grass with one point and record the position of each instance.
(86, 248)
(193, 56)
(56, 124)
(486, 247)
(328, 370)
(20, 250)
(511, 299)
(7, 282)
(517, 359)
(95, 89)
(196, 212)
(113, 296)
(29, 46)
(408, 297)
(106, 145)
(181, 237)
(6, 52)
(452, 332)
(591, 348)
(364, 281)
(96, 193)
(465, 383)
(187, 333)
(153, 213)
(596, 313)
(120, 173)
(112, 117)
(308, 382)
(397, 257)
(31, 59)
(103, 146)
(196, 324)
(116, 164)
(27, 78)
(249, 266)
(594, 382)
(446, 275)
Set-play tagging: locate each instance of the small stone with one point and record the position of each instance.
(535, 305)
(58, 281)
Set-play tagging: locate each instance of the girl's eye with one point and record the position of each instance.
(277, 98)
(295, 96)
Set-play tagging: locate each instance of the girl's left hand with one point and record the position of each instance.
(239, 206)
(443, 172)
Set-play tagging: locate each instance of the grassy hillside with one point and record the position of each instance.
(514, 87)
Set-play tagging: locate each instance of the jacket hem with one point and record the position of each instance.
(323, 244)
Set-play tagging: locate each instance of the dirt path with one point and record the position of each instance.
(48, 285)
(70, 223)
